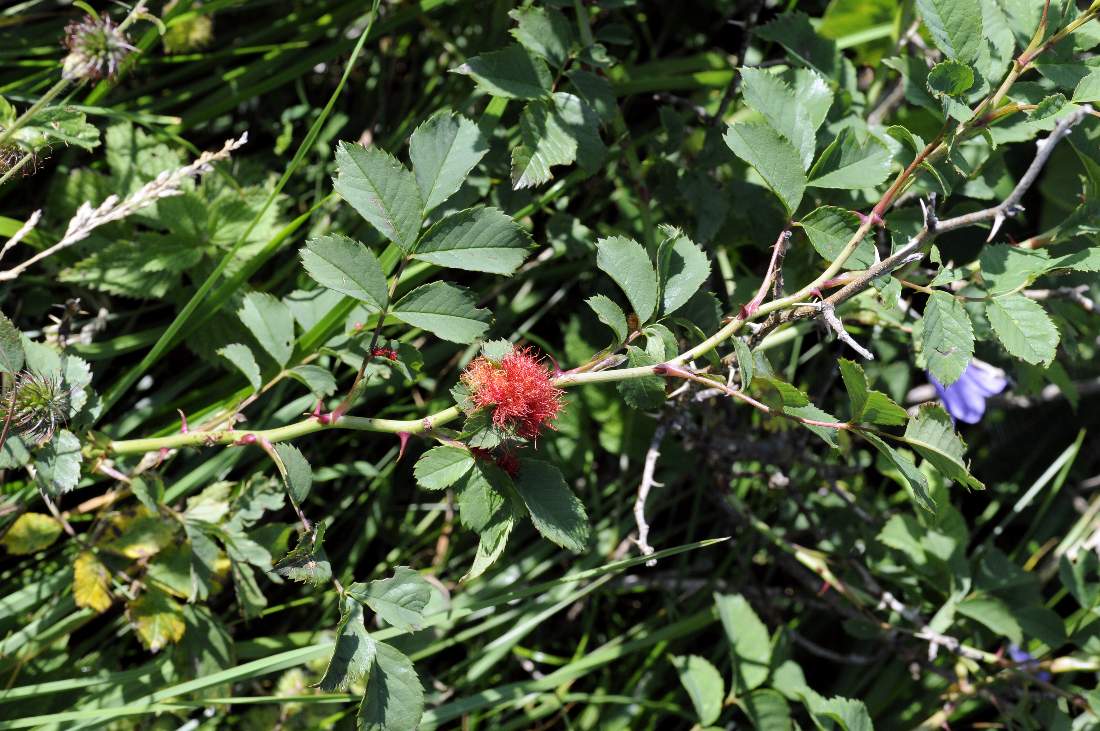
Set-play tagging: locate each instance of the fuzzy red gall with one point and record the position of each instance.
(519, 389)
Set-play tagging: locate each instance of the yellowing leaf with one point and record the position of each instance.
(31, 532)
(157, 619)
(91, 580)
(140, 536)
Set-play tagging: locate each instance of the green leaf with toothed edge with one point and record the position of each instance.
(1023, 328)
(646, 393)
(241, 357)
(270, 322)
(399, 600)
(394, 700)
(447, 311)
(307, 563)
(511, 72)
(704, 686)
(830, 228)
(381, 190)
(913, 479)
(849, 164)
(749, 641)
(347, 267)
(794, 113)
(628, 264)
(11, 346)
(955, 26)
(682, 268)
(443, 150)
(947, 337)
(440, 467)
(773, 157)
(295, 469)
(477, 240)
(543, 31)
(932, 434)
(868, 405)
(58, 463)
(610, 314)
(354, 653)
(557, 513)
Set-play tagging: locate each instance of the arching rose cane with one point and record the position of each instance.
(519, 389)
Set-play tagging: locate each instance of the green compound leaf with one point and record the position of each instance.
(347, 267)
(830, 228)
(271, 323)
(399, 600)
(1024, 328)
(850, 164)
(628, 264)
(773, 157)
(447, 311)
(704, 686)
(948, 337)
(610, 314)
(443, 151)
(394, 700)
(382, 190)
(932, 434)
(477, 240)
(355, 650)
(955, 26)
(441, 467)
(511, 72)
(241, 358)
(557, 513)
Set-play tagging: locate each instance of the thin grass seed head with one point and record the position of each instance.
(518, 388)
(36, 405)
(96, 49)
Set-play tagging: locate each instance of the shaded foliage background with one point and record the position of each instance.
(825, 547)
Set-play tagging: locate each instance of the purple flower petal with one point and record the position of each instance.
(965, 398)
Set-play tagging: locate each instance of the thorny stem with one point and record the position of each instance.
(932, 150)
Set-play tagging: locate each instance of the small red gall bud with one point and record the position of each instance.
(247, 439)
(519, 389)
(389, 353)
(509, 463)
(357, 327)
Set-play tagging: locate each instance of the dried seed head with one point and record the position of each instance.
(96, 49)
(36, 406)
(519, 389)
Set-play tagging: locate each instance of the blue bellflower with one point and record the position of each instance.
(965, 398)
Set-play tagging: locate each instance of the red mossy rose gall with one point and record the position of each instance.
(520, 390)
